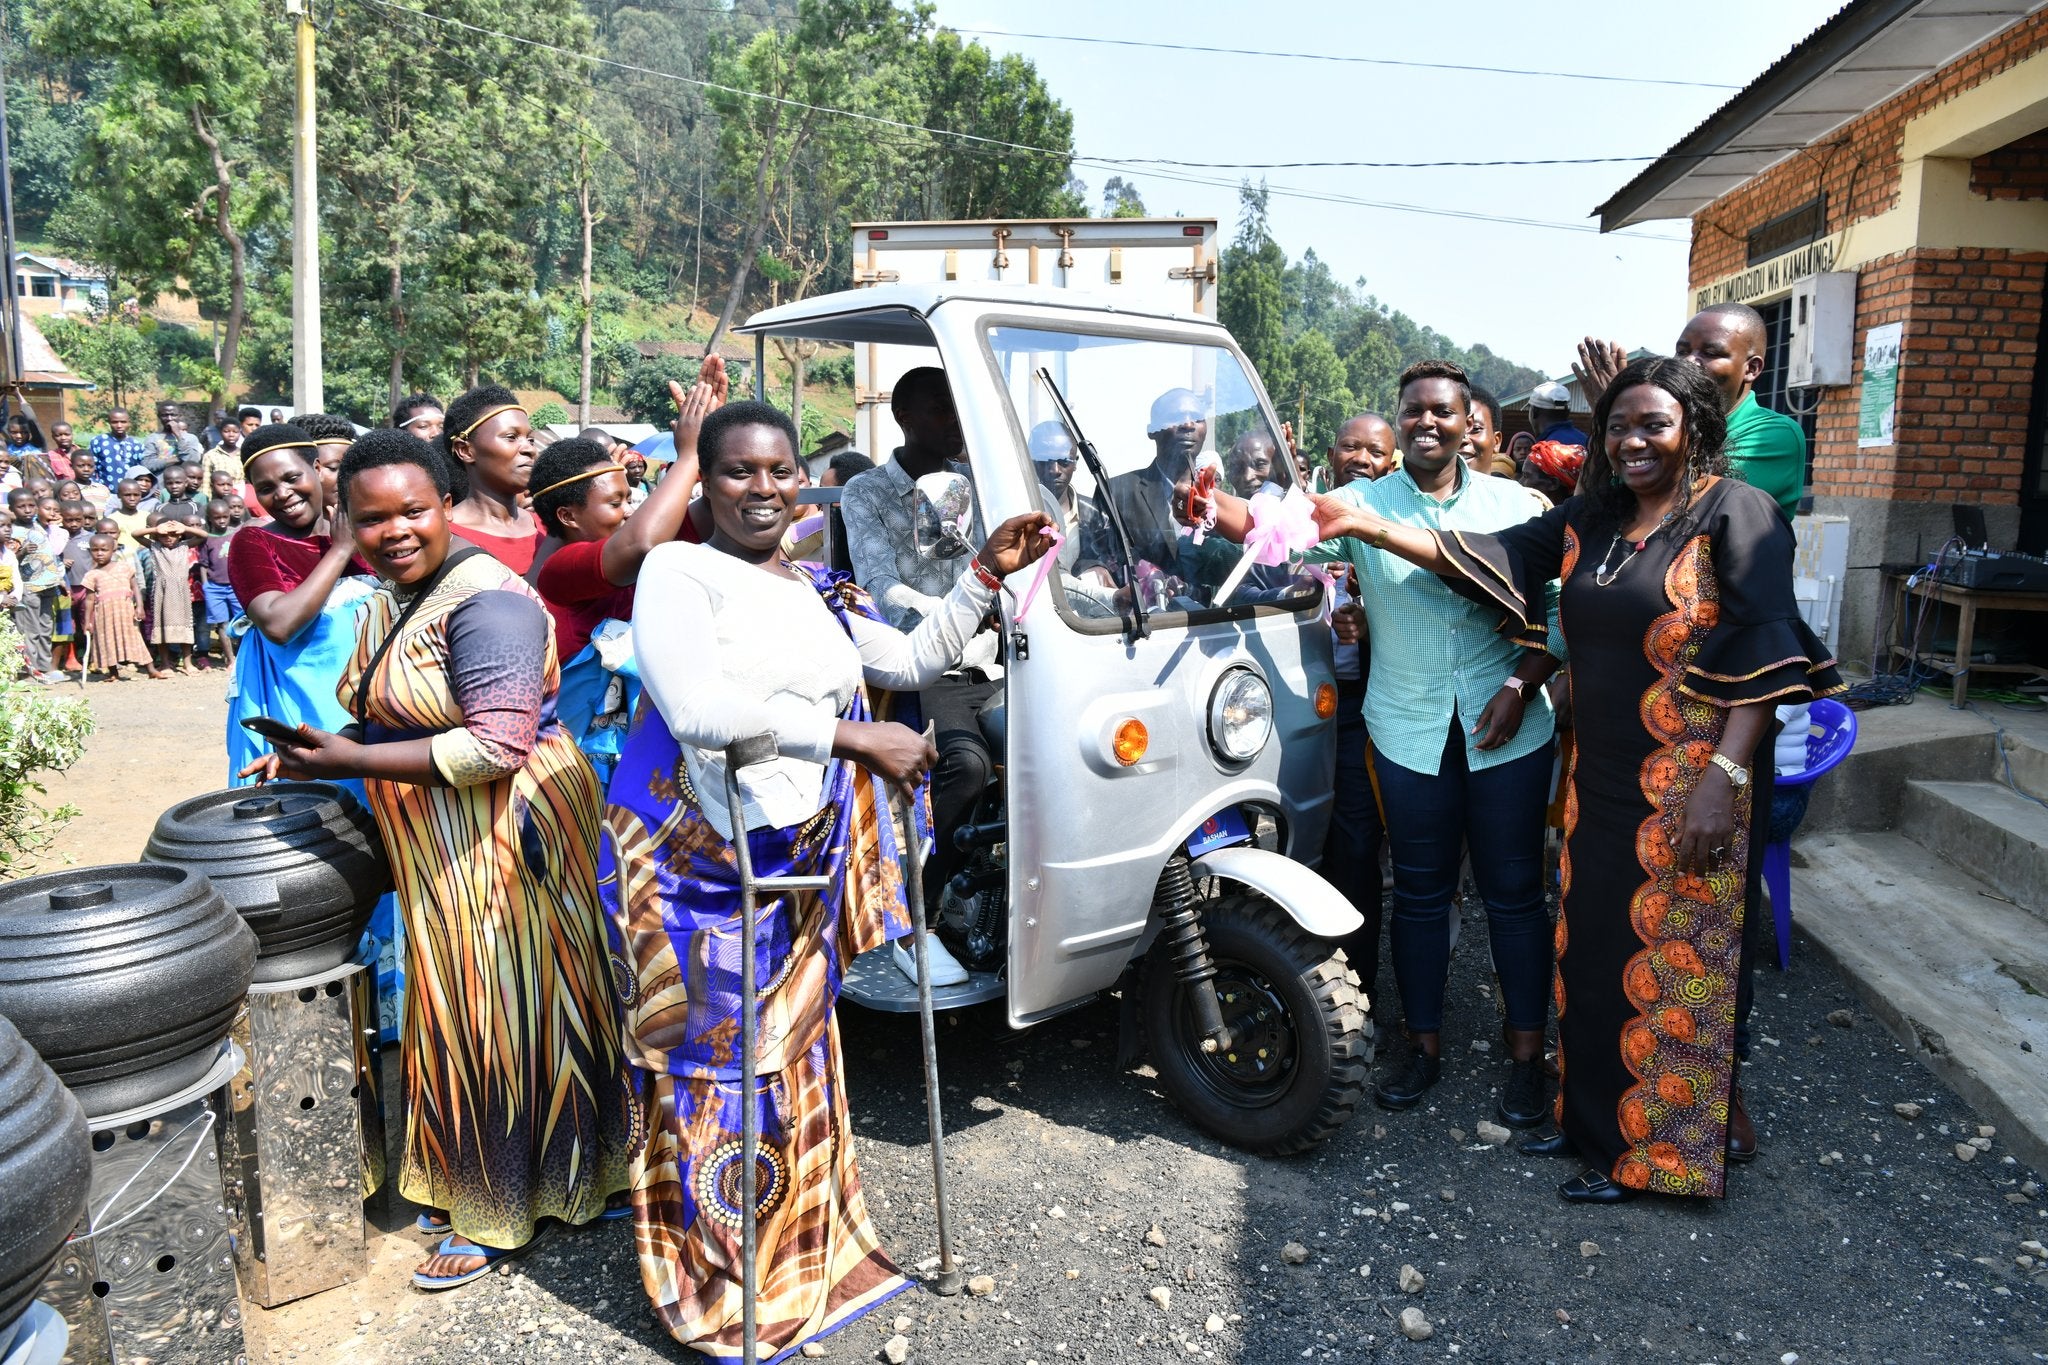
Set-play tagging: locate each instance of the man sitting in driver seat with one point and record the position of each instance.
(878, 507)
(1144, 498)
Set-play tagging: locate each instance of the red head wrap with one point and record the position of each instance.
(1560, 461)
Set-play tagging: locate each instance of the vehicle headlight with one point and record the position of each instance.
(1240, 715)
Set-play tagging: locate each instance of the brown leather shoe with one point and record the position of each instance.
(1741, 1132)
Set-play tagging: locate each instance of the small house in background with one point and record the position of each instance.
(46, 382)
(48, 284)
(1880, 196)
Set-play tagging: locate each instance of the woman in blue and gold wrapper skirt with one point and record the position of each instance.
(734, 640)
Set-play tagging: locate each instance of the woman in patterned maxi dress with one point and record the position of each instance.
(1677, 609)
(517, 1107)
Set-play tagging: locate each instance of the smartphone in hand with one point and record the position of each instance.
(276, 731)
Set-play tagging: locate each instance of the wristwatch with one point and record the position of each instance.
(1737, 774)
(1514, 684)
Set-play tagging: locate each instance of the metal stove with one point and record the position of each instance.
(150, 1274)
(304, 1144)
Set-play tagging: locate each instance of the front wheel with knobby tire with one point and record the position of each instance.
(1300, 1039)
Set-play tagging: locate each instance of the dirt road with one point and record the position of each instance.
(155, 743)
(1858, 1236)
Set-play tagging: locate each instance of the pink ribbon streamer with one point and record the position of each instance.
(1045, 568)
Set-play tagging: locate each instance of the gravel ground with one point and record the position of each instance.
(1859, 1235)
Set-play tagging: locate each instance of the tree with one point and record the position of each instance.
(847, 55)
(39, 732)
(110, 351)
(643, 394)
(182, 144)
(386, 135)
(1251, 299)
(966, 90)
(1371, 369)
(1120, 199)
(1321, 399)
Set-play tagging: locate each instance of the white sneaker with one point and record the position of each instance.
(946, 969)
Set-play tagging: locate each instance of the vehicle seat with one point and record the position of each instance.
(994, 716)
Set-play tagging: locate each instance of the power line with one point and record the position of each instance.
(1433, 165)
(670, 5)
(1334, 57)
(1106, 163)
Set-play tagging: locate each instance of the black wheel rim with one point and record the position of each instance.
(1260, 1064)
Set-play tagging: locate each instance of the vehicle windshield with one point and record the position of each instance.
(1157, 413)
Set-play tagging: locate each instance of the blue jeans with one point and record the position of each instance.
(1351, 852)
(1498, 813)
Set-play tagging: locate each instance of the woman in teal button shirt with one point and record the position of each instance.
(1461, 735)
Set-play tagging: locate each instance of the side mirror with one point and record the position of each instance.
(944, 519)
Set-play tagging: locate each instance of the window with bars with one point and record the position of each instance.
(1770, 385)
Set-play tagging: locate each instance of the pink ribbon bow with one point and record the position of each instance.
(1283, 530)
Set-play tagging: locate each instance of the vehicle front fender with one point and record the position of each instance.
(1311, 902)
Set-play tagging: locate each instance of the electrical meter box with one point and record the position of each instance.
(1822, 333)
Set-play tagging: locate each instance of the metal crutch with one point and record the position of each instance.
(744, 753)
(949, 1277)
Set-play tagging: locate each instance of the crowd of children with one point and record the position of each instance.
(109, 573)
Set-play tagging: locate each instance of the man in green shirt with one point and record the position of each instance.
(1765, 449)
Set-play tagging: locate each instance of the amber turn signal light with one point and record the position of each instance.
(1131, 741)
(1326, 701)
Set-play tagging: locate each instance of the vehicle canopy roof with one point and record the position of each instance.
(895, 313)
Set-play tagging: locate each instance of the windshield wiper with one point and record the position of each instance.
(1136, 625)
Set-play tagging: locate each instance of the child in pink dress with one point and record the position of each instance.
(113, 613)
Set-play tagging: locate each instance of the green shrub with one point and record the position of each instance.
(40, 731)
(830, 371)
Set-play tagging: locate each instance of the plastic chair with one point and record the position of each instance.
(1830, 737)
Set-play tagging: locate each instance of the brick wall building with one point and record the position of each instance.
(1903, 146)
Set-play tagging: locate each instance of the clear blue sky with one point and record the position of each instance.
(1527, 292)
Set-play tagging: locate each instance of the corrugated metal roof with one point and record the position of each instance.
(40, 365)
(1867, 53)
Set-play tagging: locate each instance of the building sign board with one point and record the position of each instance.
(1774, 276)
(1877, 408)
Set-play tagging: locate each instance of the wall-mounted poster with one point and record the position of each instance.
(1879, 406)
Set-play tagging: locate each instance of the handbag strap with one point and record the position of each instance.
(455, 557)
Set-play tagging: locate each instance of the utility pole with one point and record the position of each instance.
(583, 207)
(308, 392)
(11, 363)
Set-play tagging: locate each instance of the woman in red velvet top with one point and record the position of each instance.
(300, 586)
(489, 445)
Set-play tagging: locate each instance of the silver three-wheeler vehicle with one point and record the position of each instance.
(1165, 740)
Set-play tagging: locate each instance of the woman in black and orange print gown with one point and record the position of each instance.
(1677, 609)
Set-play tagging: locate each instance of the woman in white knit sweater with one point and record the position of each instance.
(735, 640)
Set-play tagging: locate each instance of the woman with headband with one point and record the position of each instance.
(489, 444)
(332, 435)
(586, 567)
(300, 588)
